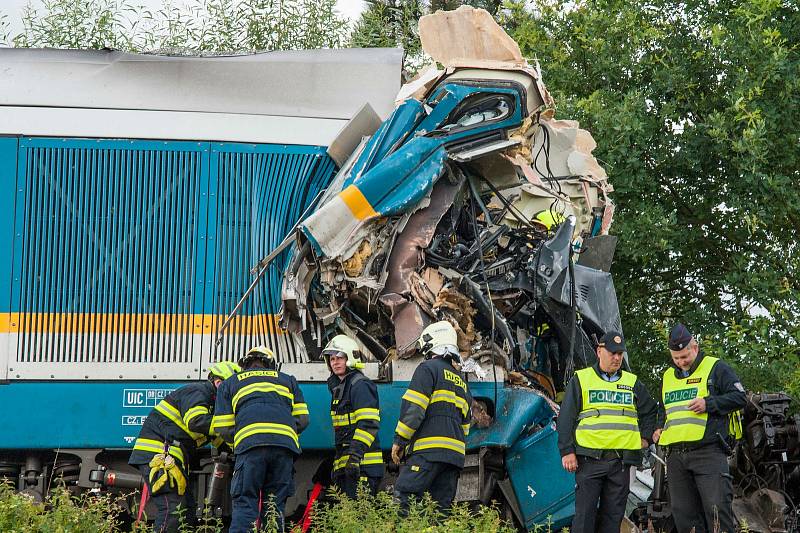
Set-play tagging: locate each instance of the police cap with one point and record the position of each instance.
(613, 341)
(679, 337)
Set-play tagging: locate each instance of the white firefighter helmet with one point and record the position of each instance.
(342, 345)
(440, 338)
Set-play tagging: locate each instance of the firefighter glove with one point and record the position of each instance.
(164, 470)
(353, 467)
(397, 453)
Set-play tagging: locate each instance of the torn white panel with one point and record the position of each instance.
(570, 149)
(479, 37)
(419, 86)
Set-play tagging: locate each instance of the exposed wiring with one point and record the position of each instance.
(552, 181)
(762, 483)
(474, 189)
(489, 292)
(544, 149)
(570, 369)
(505, 201)
(555, 184)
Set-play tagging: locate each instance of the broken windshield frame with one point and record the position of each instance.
(472, 112)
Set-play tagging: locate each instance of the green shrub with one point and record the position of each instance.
(61, 513)
(64, 513)
(380, 514)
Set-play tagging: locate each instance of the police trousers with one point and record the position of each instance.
(263, 478)
(419, 476)
(601, 492)
(167, 502)
(700, 490)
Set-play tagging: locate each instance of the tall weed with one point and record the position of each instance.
(381, 514)
(60, 513)
(64, 513)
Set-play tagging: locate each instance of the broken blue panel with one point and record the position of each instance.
(393, 187)
(390, 134)
(383, 171)
(405, 177)
(397, 169)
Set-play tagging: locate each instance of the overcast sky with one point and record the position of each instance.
(13, 9)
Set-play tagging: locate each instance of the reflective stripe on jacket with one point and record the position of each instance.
(183, 416)
(681, 424)
(435, 413)
(260, 407)
(155, 447)
(608, 419)
(355, 414)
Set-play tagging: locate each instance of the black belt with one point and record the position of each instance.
(611, 454)
(604, 455)
(684, 447)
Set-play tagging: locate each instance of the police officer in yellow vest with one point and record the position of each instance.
(606, 418)
(701, 396)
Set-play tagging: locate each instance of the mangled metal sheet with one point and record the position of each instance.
(471, 204)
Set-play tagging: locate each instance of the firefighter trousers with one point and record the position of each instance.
(419, 476)
(263, 478)
(167, 501)
(348, 484)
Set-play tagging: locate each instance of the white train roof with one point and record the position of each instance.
(292, 97)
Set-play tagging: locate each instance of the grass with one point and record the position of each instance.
(63, 513)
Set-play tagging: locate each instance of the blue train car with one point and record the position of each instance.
(138, 192)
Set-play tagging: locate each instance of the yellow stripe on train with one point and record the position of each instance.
(117, 323)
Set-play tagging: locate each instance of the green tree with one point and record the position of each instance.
(389, 24)
(395, 23)
(694, 107)
(204, 26)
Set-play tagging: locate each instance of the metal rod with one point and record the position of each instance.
(264, 264)
(267, 261)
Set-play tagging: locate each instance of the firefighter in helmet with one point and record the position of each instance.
(261, 412)
(434, 421)
(168, 442)
(356, 418)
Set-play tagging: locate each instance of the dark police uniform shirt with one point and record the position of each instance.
(184, 415)
(435, 413)
(260, 407)
(726, 395)
(646, 409)
(356, 419)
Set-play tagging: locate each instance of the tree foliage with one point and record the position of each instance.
(204, 26)
(390, 23)
(395, 23)
(694, 107)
